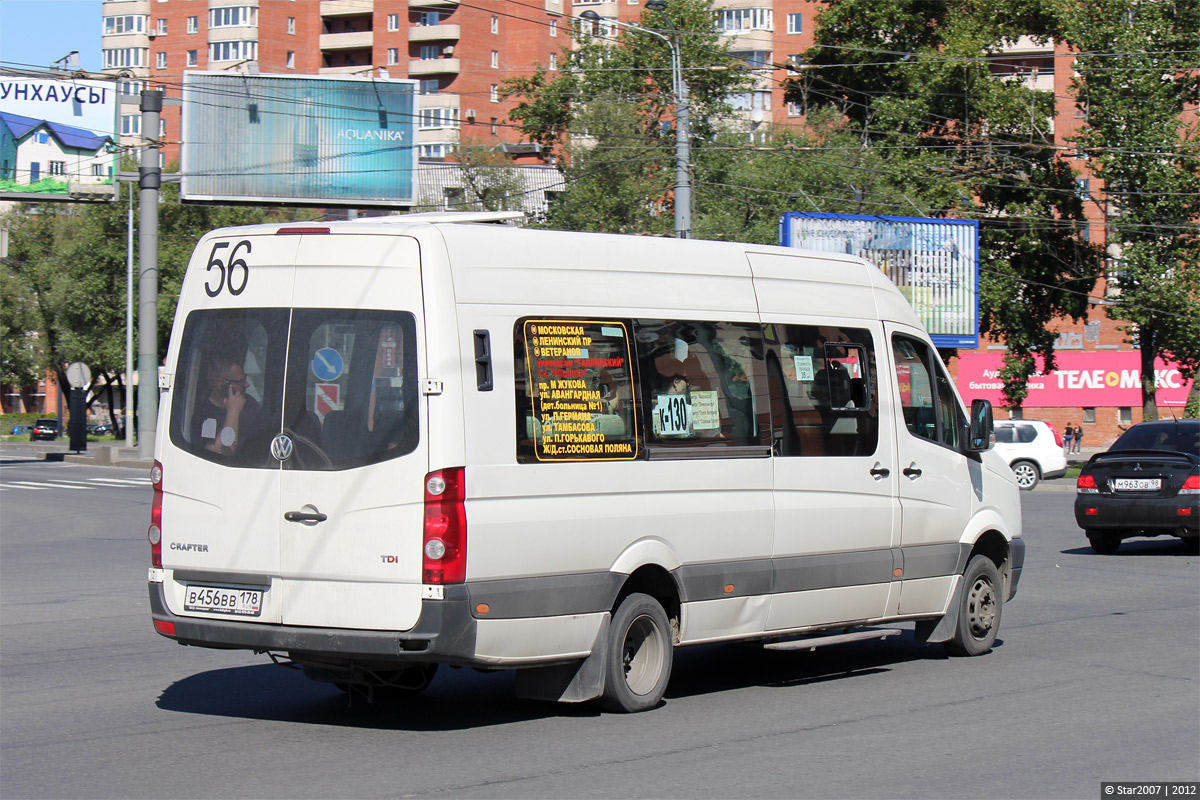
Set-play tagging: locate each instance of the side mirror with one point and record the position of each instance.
(981, 429)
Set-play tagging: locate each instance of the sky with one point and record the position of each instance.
(36, 33)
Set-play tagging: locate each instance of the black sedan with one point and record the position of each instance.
(1147, 484)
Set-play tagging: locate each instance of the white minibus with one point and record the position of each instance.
(392, 443)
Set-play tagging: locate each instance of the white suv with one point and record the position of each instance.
(1033, 450)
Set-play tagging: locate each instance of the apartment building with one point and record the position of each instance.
(460, 54)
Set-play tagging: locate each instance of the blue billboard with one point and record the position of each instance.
(933, 262)
(275, 138)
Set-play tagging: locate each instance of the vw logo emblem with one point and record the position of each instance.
(281, 447)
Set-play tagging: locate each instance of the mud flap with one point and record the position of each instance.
(934, 631)
(576, 682)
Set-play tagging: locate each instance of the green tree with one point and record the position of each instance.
(743, 189)
(1137, 71)
(608, 115)
(913, 79)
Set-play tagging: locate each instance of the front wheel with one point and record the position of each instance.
(1027, 475)
(979, 609)
(637, 665)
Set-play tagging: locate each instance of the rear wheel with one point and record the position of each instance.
(637, 665)
(1027, 475)
(979, 609)
(1104, 542)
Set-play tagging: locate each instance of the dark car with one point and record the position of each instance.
(1147, 484)
(44, 429)
(99, 429)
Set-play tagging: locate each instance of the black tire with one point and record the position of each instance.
(1104, 542)
(979, 608)
(637, 665)
(1027, 474)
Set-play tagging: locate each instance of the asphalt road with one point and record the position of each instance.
(1095, 678)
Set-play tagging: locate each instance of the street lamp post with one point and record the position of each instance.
(683, 133)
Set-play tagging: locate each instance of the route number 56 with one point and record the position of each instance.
(228, 270)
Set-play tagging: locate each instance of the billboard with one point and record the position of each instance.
(933, 262)
(56, 138)
(1081, 380)
(272, 138)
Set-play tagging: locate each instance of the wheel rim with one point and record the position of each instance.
(642, 655)
(981, 607)
(1025, 474)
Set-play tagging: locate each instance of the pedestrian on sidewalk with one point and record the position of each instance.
(1068, 435)
(1078, 437)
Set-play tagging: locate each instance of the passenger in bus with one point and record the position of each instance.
(221, 413)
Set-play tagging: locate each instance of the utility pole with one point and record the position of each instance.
(149, 181)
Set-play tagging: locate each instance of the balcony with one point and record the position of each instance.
(434, 66)
(431, 3)
(337, 8)
(356, 40)
(434, 33)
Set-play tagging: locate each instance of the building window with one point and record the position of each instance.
(58, 168)
(393, 22)
(794, 110)
(1124, 413)
(193, 24)
(160, 60)
(99, 171)
(291, 59)
(191, 58)
(755, 59)
(554, 27)
(125, 57)
(432, 151)
(291, 26)
(553, 62)
(1016, 412)
(795, 23)
(739, 20)
(132, 87)
(1089, 415)
(126, 23)
(393, 56)
(495, 126)
(232, 51)
(495, 24)
(428, 51)
(434, 118)
(430, 85)
(495, 59)
(161, 28)
(131, 124)
(232, 17)
(429, 18)
(494, 93)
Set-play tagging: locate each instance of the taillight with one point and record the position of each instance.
(1086, 484)
(1191, 485)
(444, 549)
(1054, 430)
(154, 534)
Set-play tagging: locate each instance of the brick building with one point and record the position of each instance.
(459, 54)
